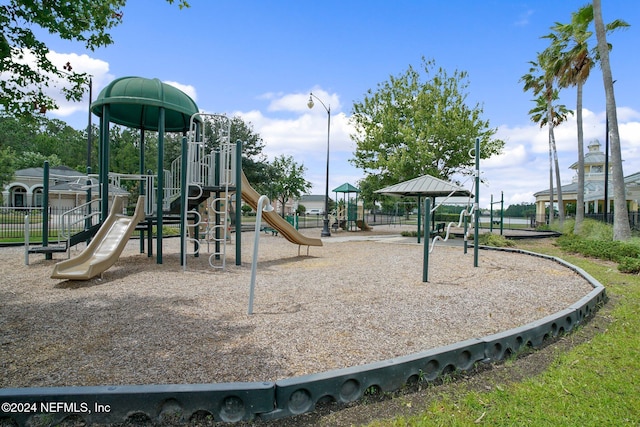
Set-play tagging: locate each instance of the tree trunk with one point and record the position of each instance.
(580, 193)
(558, 182)
(621, 227)
(551, 211)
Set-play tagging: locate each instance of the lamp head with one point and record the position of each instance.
(268, 208)
(310, 102)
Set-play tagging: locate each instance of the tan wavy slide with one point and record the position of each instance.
(106, 246)
(251, 196)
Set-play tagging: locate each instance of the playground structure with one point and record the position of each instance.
(348, 213)
(208, 170)
(233, 402)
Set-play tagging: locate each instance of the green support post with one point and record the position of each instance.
(419, 215)
(427, 227)
(45, 209)
(238, 202)
(141, 186)
(502, 213)
(491, 215)
(104, 163)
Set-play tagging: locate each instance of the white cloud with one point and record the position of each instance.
(520, 171)
(188, 89)
(98, 69)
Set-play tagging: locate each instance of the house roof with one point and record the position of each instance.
(79, 186)
(312, 198)
(425, 185)
(591, 159)
(593, 190)
(64, 171)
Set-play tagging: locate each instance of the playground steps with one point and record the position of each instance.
(79, 237)
(47, 249)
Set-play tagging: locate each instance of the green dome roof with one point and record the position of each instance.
(135, 102)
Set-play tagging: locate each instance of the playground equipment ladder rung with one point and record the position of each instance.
(217, 256)
(213, 205)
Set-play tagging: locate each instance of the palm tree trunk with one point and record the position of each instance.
(580, 192)
(552, 143)
(551, 211)
(558, 182)
(621, 227)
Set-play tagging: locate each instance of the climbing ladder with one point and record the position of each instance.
(210, 165)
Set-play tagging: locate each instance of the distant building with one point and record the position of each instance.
(594, 168)
(67, 188)
(313, 203)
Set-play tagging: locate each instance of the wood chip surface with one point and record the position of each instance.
(358, 299)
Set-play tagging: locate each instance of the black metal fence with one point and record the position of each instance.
(15, 222)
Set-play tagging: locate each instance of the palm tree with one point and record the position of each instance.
(574, 68)
(621, 227)
(540, 81)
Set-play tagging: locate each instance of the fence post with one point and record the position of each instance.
(26, 239)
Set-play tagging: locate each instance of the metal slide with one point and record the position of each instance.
(251, 196)
(106, 246)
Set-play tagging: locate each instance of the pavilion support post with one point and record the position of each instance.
(419, 215)
(427, 227)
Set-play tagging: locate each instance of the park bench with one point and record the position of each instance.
(439, 228)
(271, 230)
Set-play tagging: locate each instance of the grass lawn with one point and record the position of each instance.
(595, 383)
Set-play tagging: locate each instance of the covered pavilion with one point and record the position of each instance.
(425, 186)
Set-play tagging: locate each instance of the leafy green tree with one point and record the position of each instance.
(29, 159)
(287, 181)
(24, 60)
(254, 161)
(621, 227)
(7, 168)
(520, 210)
(368, 185)
(416, 124)
(17, 134)
(56, 137)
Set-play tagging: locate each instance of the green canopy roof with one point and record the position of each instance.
(425, 185)
(346, 188)
(135, 102)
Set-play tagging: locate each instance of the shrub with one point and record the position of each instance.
(629, 265)
(495, 240)
(604, 249)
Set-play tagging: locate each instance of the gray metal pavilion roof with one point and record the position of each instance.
(426, 185)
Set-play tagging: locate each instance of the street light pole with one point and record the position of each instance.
(89, 126)
(325, 227)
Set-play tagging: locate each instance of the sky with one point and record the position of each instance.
(260, 59)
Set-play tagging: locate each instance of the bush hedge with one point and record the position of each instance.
(625, 254)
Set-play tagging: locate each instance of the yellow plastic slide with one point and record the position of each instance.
(106, 246)
(251, 196)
